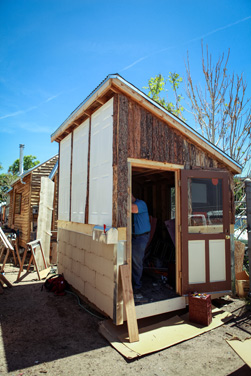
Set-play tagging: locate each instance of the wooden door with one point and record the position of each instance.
(205, 231)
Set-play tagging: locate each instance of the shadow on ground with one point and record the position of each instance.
(38, 326)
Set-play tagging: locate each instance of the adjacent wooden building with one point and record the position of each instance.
(119, 141)
(24, 200)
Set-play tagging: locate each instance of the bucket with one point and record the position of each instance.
(242, 284)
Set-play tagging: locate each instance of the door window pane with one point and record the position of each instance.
(205, 206)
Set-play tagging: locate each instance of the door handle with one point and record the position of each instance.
(227, 237)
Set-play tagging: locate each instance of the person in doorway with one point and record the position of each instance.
(140, 236)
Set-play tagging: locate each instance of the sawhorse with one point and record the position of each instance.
(8, 247)
(32, 246)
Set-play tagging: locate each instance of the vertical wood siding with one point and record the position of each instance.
(139, 134)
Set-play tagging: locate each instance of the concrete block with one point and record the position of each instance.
(104, 267)
(76, 268)
(67, 274)
(79, 240)
(60, 268)
(95, 247)
(77, 256)
(104, 303)
(64, 236)
(75, 239)
(68, 263)
(80, 285)
(60, 258)
(88, 275)
(74, 253)
(70, 250)
(105, 285)
(85, 242)
(81, 256)
(90, 292)
(61, 247)
(106, 251)
(90, 260)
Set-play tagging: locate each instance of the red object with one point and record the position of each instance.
(200, 310)
(104, 229)
(215, 181)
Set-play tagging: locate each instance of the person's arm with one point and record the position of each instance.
(135, 209)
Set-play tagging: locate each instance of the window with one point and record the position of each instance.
(18, 200)
(205, 206)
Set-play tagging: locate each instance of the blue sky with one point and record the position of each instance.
(53, 53)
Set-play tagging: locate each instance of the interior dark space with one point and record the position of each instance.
(157, 189)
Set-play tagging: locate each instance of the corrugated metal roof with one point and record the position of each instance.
(154, 103)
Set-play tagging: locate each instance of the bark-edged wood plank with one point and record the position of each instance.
(132, 324)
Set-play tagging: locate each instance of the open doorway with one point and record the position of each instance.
(157, 189)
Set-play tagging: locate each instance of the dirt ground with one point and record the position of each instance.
(42, 333)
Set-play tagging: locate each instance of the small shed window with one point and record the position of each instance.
(18, 200)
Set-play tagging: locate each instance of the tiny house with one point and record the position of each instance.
(24, 200)
(120, 141)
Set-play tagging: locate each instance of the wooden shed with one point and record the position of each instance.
(24, 200)
(119, 141)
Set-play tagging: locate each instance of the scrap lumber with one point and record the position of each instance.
(132, 324)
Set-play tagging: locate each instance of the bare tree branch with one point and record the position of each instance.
(221, 110)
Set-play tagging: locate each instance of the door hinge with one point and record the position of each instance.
(180, 275)
(179, 183)
(179, 228)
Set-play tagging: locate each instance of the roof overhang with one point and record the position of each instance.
(116, 84)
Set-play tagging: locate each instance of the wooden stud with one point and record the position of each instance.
(132, 324)
(129, 218)
(154, 165)
(178, 233)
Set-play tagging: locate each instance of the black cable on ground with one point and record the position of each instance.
(79, 303)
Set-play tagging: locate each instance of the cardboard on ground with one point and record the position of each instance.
(242, 348)
(160, 335)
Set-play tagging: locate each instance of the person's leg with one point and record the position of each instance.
(138, 252)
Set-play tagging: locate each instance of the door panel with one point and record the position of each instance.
(205, 231)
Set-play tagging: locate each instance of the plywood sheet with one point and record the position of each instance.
(242, 348)
(160, 335)
(44, 220)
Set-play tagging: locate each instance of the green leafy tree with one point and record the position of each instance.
(29, 162)
(5, 182)
(157, 86)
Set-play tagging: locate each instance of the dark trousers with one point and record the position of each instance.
(139, 244)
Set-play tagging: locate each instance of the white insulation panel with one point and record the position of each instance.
(79, 172)
(101, 172)
(64, 179)
(217, 260)
(196, 261)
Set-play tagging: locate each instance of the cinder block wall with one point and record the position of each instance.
(88, 266)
